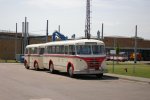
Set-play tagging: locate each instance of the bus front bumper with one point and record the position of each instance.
(91, 71)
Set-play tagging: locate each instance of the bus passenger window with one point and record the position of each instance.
(66, 49)
(61, 48)
(72, 49)
(41, 51)
(35, 50)
(57, 49)
(31, 51)
(53, 50)
(49, 49)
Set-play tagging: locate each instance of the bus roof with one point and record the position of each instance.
(35, 45)
(73, 42)
(68, 42)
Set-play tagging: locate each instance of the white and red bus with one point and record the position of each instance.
(34, 56)
(85, 56)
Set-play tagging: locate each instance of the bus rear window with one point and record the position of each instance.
(26, 51)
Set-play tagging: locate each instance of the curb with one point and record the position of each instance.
(131, 78)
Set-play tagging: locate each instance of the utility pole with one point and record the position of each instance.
(87, 24)
(135, 49)
(16, 42)
(135, 45)
(47, 32)
(25, 34)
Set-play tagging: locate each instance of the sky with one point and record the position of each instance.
(119, 16)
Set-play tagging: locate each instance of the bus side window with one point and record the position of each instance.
(41, 51)
(71, 49)
(57, 51)
(31, 50)
(35, 50)
(53, 50)
(66, 49)
(49, 49)
(45, 50)
(61, 49)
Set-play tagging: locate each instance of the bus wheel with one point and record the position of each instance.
(26, 65)
(36, 66)
(99, 75)
(71, 72)
(51, 69)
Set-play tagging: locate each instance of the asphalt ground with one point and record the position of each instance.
(18, 83)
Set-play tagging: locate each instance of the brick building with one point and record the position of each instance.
(8, 42)
(126, 44)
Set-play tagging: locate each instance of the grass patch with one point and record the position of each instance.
(141, 69)
(8, 61)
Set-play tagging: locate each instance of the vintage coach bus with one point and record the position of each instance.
(85, 56)
(34, 56)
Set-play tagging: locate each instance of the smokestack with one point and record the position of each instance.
(24, 34)
(59, 28)
(47, 32)
(102, 32)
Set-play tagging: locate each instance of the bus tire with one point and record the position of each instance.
(26, 65)
(51, 68)
(36, 66)
(71, 72)
(99, 75)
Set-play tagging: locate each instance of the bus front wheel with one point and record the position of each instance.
(99, 75)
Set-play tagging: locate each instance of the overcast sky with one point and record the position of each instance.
(119, 16)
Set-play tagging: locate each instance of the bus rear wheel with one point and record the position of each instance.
(36, 66)
(26, 65)
(71, 72)
(51, 69)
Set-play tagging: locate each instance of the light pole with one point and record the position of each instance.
(47, 32)
(135, 49)
(135, 45)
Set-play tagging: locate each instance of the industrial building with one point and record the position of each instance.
(12, 44)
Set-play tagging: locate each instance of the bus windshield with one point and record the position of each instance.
(90, 49)
(98, 49)
(83, 49)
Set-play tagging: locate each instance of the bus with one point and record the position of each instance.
(33, 57)
(84, 56)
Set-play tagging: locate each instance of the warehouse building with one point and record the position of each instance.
(9, 45)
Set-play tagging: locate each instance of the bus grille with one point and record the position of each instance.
(93, 64)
